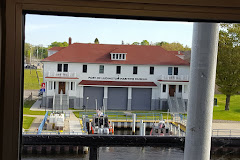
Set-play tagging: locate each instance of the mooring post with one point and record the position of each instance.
(179, 131)
(94, 153)
(201, 95)
(133, 123)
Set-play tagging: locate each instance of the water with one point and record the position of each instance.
(119, 153)
(128, 153)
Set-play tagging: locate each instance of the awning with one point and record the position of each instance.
(117, 83)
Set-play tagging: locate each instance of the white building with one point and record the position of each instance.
(123, 77)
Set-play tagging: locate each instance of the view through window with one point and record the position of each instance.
(95, 76)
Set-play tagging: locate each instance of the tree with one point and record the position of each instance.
(135, 43)
(40, 52)
(175, 46)
(58, 44)
(96, 41)
(228, 63)
(145, 42)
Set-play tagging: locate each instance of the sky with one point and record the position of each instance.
(43, 30)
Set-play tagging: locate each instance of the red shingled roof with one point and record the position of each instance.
(100, 53)
(116, 83)
(56, 48)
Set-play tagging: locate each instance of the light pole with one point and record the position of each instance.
(86, 105)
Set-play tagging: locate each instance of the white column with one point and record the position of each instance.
(81, 97)
(105, 97)
(202, 81)
(129, 105)
(81, 91)
(167, 90)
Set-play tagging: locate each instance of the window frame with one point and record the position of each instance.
(64, 67)
(164, 89)
(135, 69)
(118, 68)
(84, 69)
(59, 67)
(12, 46)
(101, 69)
(151, 73)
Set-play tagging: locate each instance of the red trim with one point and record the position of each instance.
(63, 77)
(171, 81)
(117, 83)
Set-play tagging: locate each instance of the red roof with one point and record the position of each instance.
(117, 83)
(100, 53)
(56, 48)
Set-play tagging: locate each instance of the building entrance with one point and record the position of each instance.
(172, 89)
(61, 87)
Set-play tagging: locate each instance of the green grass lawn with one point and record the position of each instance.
(31, 80)
(26, 108)
(27, 121)
(234, 112)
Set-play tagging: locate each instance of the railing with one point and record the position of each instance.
(62, 74)
(42, 124)
(226, 132)
(54, 133)
(176, 101)
(125, 116)
(174, 77)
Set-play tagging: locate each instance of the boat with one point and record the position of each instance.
(160, 129)
(100, 124)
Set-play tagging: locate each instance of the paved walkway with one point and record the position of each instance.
(74, 125)
(36, 122)
(226, 129)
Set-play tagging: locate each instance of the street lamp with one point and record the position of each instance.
(86, 105)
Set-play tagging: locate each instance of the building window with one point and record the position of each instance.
(118, 56)
(151, 70)
(54, 85)
(72, 86)
(84, 69)
(59, 69)
(135, 68)
(65, 67)
(164, 88)
(180, 89)
(175, 70)
(118, 69)
(169, 70)
(101, 69)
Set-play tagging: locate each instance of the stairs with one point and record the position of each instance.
(176, 105)
(64, 106)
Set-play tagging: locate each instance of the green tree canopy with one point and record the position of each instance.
(175, 46)
(145, 42)
(96, 41)
(228, 63)
(58, 44)
(135, 43)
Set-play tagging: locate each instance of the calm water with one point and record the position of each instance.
(127, 153)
